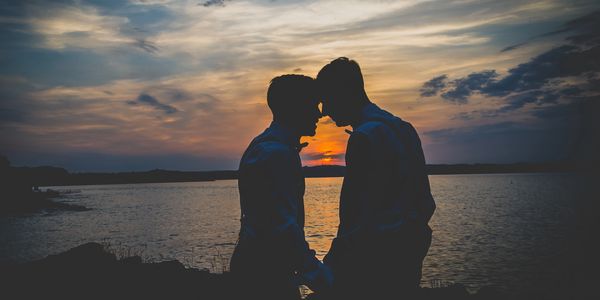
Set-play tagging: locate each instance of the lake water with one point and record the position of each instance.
(496, 230)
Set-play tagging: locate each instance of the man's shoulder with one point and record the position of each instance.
(268, 150)
(387, 120)
(275, 149)
(373, 127)
(383, 130)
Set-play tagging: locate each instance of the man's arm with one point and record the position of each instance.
(354, 196)
(284, 174)
(426, 202)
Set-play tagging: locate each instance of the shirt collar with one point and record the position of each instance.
(283, 134)
(369, 111)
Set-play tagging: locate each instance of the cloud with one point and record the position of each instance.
(517, 101)
(150, 2)
(563, 61)
(196, 119)
(532, 111)
(151, 101)
(560, 111)
(505, 142)
(544, 106)
(14, 108)
(584, 30)
(433, 86)
(62, 25)
(466, 134)
(11, 115)
(204, 71)
(513, 47)
(328, 29)
(146, 45)
(463, 88)
(436, 19)
(540, 71)
(552, 77)
(68, 25)
(321, 156)
(214, 3)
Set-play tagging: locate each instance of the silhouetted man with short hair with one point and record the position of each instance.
(385, 203)
(272, 257)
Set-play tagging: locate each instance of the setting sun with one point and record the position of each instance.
(326, 159)
(327, 147)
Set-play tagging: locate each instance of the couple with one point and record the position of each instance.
(385, 201)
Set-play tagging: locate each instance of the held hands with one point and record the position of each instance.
(318, 278)
(323, 280)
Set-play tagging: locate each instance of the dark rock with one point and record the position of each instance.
(132, 260)
(452, 292)
(90, 272)
(170, 266)
(83, 255)
(490, 293)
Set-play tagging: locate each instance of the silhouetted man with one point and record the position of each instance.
(272, 256)
(385, 203)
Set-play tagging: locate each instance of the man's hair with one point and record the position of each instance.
(343, 73)
(290, 91)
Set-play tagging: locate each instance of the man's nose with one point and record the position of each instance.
(325, 111)
(318, 114)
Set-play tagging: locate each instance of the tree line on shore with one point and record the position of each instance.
(26, 178)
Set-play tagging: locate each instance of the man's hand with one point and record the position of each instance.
(318, 279)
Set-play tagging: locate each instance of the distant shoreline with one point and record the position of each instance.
(52, 176)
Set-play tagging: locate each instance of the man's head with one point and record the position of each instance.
(342, 90)
(294, 102)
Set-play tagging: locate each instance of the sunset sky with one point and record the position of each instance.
(181, 85)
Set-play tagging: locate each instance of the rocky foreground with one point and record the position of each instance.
(90, 271)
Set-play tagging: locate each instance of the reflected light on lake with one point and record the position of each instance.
(489, 230)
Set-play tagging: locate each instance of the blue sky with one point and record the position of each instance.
(137, 85)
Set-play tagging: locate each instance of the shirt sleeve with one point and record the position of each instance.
(269, 189)
(355, 188)
(283, 189)
(426, 204)
(284, 173)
